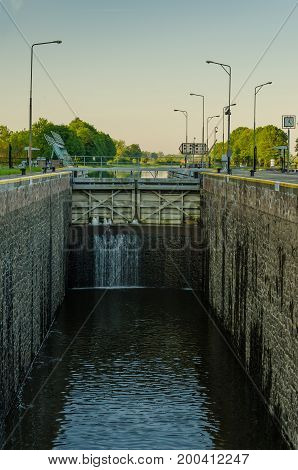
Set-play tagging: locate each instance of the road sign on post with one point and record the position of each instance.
(289, 122)
(193, 148)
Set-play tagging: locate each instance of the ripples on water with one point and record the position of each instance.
(148, 370)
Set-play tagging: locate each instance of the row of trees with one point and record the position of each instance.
(128, 153)
(242, 144)
(80, 137)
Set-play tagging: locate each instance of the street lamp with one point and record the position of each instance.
(257, 89)
(228, 70)
(193, 150)
(186, 129)
(208, 120)
(215, 140)
(224, 112)
(203, 127)
(30, 99)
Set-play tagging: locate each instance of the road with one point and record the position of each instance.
(270, 175)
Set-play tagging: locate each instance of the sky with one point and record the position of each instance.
(124, 65)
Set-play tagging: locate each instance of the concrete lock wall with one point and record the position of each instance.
(243, 260)
(251, 270)
(34, 221)
(161, 256)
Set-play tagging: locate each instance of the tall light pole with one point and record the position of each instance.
(215, 140)
(257, 89)
(193, 150)
(30, 99)
(208, 120)
(203, 127)
(228, 70)
(186, 127)
(224, 112)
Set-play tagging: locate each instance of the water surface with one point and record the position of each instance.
(137, 369)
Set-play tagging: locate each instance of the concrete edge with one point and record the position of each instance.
(20, 179)
(252, 179)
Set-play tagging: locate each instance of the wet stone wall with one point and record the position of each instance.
(251, 283)
(135, 256)
(34, 224)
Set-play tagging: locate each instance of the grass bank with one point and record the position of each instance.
(4, 171)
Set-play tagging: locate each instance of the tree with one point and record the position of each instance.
(95, 143)
(88, 136)
(19, 140)
(296, 147)
(5, 134)
(242, 143)
(269, 137)
(132, 152)
(216, 153)
(110, 146)
(73, 144)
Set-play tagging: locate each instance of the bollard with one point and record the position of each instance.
(23, 171)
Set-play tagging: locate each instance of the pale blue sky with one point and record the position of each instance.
(124, 65)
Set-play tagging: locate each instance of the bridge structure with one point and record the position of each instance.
(134, 199)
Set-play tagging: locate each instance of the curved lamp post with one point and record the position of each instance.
(186, 127)
(224, 112)
(215, 140)
(257, 89)
(203, 127)
(228, 70)
(30, 99)
(208, 120)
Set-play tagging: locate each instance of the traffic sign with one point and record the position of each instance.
(193, 149)
(289, 122)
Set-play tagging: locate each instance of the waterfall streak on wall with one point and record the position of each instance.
(116, 260)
